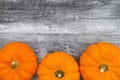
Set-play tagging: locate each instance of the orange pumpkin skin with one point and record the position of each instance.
(100, 61)
(17, 62)
(58, 66)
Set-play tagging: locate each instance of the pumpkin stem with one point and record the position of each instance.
(103, 68)
(59, 74)
(14, 64)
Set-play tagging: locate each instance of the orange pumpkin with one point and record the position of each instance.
(58, 66)
(100, 61)
(17, 62)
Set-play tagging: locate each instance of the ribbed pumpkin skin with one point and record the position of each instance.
(23, 55)
(101, 53)
(58, 61)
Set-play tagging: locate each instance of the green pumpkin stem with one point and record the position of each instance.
(59, 74)
(103, 68)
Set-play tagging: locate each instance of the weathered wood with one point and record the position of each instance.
(79, 9)
(65, 25)
(46, 43)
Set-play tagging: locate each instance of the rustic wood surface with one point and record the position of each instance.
(65, 25)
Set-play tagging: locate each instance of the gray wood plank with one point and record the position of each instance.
(52, 11)
(63, 26)
(46, 43)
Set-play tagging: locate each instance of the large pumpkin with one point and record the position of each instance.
(17, 62)
(58, 66)
(100, 61)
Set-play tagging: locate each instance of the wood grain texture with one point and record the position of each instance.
(65, 25)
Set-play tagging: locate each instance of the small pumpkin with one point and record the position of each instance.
(58, 66)
(100, 61)
(17, 62)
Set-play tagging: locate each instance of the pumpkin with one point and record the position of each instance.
(17, 62)
(100, 61)
(58, 66)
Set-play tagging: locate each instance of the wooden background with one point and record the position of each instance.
(65, 25)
